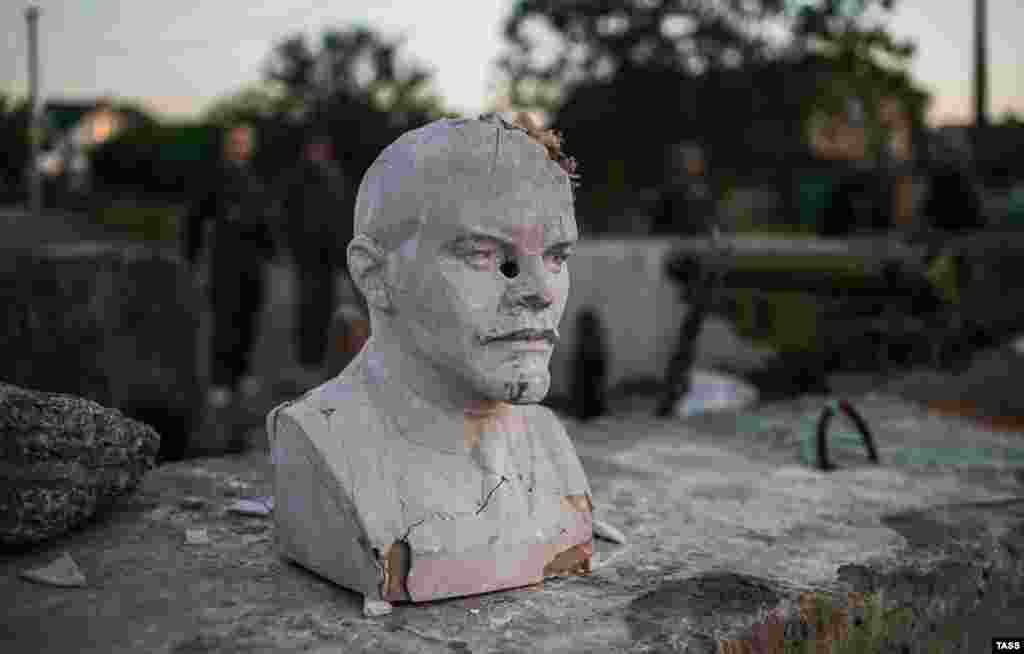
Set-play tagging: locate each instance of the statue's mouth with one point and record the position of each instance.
(525, 335)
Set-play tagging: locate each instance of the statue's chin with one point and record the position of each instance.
(520, 389)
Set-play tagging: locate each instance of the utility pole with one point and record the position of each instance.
(331, 43)
(980, 65)
(34, 188)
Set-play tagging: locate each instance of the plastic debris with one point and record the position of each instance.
(63, 572)
(715, 391)
(197, 536)
(257, 506)
(376, 608)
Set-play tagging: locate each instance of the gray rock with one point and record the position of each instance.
(63, 458)
(117, 324)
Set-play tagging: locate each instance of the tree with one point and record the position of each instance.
(849, 59)
(633, 76)
(600, 40)
(356, 86)
(253, 104)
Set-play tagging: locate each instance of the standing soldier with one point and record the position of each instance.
(686, 205)
(318, 215)
(235, 200)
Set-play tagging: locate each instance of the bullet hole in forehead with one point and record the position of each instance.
(510, 269)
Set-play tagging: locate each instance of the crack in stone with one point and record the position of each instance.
(488, 498)
(408, 531)
(497, 150)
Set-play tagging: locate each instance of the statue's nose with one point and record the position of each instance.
(529, 285)
(535, 301)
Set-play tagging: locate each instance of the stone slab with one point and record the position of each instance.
(724, 523)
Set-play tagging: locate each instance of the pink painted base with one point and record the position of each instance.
(487, 569)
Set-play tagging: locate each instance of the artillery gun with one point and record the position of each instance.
(861, 302)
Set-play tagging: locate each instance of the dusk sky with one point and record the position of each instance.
(177, 57)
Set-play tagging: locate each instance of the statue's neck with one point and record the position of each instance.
(423, 383)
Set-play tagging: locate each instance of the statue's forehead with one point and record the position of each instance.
(530, 216)
(526, 231)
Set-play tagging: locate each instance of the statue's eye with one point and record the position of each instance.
(556, 259)
(482, 258)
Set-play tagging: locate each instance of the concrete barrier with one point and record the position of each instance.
(640, 310)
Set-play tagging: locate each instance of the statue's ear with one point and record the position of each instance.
(367, 263)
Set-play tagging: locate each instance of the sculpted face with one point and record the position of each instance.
(479, 286)
(484, 295)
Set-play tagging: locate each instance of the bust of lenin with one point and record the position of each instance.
(426, 469)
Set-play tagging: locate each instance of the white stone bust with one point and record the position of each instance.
(426, 469)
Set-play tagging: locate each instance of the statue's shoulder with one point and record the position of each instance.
(550, 434)
(342, 399)
(545, 423)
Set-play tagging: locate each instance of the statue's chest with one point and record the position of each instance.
(503, 477)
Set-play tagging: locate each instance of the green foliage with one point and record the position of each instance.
(880, 630)
(799, 647)
(356, 86)
(600, 40)
(253, 104)
(629, 78)
(1012, 119)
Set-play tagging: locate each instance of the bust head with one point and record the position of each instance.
(462, 231)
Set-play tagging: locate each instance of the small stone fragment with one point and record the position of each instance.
(197, 536)
(257, 506)
(375, 608)
(62, 572)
